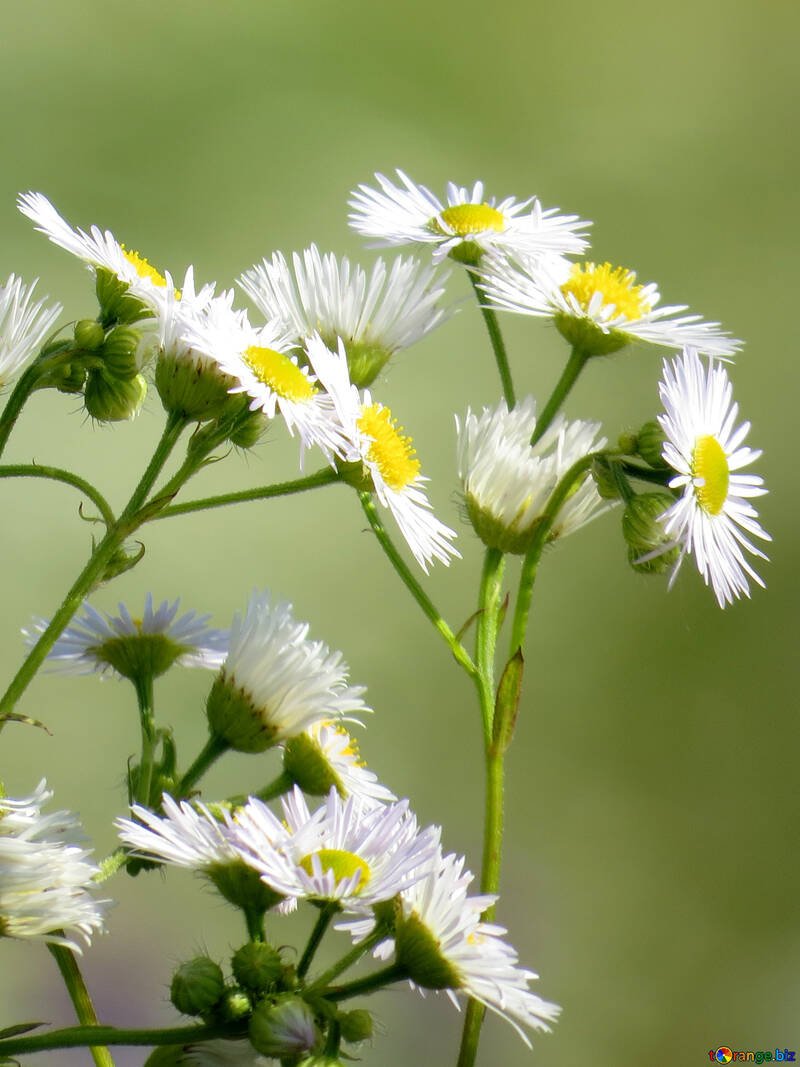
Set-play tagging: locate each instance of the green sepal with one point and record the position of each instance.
(117, 305)
(418, 952)
(233, 717)
(307, 767)
(644, 533)
(241, 886)
(506, 705)
(587, 336)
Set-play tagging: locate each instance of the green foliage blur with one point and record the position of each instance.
(652, 861)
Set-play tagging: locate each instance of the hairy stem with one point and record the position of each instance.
(79, 995)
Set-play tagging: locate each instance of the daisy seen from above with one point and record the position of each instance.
(387, 457)
(464, 225)
(598, 308)
(129, 646)
(24, 325)
(374, 314)
(713, 520)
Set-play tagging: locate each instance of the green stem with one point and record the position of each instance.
(491, 598)
(648, 474)
(79, 995)
(353, 956)
(26, 385)
(575, 364)
(210, 753)
(254, 920)
(498, 345)
(326, 476)
(89, 1036)
(93, 569)
(276, 788)
(395, 972)
(327, 913)
(114, 862)
(144, 697)
(56, 474)
(459, 652)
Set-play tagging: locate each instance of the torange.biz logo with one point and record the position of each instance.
(723, 1054)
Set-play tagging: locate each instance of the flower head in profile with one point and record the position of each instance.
(507, 482)
(131, 646)
(24, 325)
(222, 1053)
(598, 308)
(46, 878)
(713, 520)
(275, 682)
(388, 460)
(374, 314)
(346, 852)
(464, 225)
(326, 755)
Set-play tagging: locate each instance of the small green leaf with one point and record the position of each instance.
(506, 706)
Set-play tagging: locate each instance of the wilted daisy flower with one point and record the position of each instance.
(465, 225)
(23, 326)
(703, 444)
(97, 248)
(45, 878)
(344, 852)
(375, 316)
(133, 646)
(275, 683)
(262, 366)
(598, 308)
(222, 1054)
(387, 456)
(507, 482)
(326, 756)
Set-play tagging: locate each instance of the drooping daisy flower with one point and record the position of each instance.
(326, 756)
(345, 852)
(23, 326)
(222, 1053)
(261, 362)
(275, 682)
(387, 456)
(464, 225)
(46, 878)
(507, 482)
(598, 308)
(713, 517)
(375, 315)
(131, 646)
(97, 248)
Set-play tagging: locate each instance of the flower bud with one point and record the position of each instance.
(89, 334)
(119, 352)
(605, 480)
(109, 399)
(235, 1005)
(197, 986)
(197, 389)
(69, 377)
(283, 1028)
(257, 966)
(116, 302)
(249, 430)
(645, 535)
(356, 1025)
(628, 443)
(650, 441)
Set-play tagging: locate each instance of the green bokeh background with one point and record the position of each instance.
(652, 863)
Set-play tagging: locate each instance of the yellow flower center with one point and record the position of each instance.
(391, 452)
(710, 467)
(279, 372)
(343, 864)
(616, 285)
(143, 268)
(467, 219)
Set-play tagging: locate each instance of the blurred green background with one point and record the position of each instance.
(652, 864)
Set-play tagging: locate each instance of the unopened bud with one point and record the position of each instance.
(257, 966)
(650, 441)
(89, 334)
(109, 399)
(197, 986)
(283, 1028)
(356, 1025)
(650, 549)
(119, 352)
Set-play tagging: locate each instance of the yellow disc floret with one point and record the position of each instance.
(469, 219)
(712, 473)
(280, 373)
(616, 285)
(391, 452)
(343, 864)
(144, 269)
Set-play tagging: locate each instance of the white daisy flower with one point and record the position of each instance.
(222, 1053)
(275, 682)
(326, 756)
(387, 456)
(127, 646)
(507, 482)
(46, 878)
(375, 315)
(261, 362)
(345, 852)
(713, 517)
(97, 248)
(597, 307)
(23, 326)
(465, 225)
(186, 835)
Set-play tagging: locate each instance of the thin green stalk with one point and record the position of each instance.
(26, 384)
(353, 956)
(56, 474)
(648, 474)
(490, 600)
(89, 1036)
(498, 345)
(575, 364)
(93, 569)
(254, 920)
(210, 753)
(395, 972)
(327, 913)
(459, 652)
(79, 995)
(144, 697)
(326, 476)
